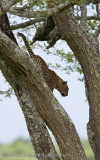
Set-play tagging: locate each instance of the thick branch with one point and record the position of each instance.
(6, 5)
(45, 13)
(44, 30)
(50, 110)
(40, 138)
(28, 13)
(28, 23)
(5, 27)
(16, 76)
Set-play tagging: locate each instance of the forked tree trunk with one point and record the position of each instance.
(33, 95)
(16, 75)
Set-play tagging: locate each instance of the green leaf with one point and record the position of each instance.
(21, 2)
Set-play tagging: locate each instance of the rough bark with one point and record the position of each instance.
(15, 74)
(40, 138)
(85, 50)
(27, 23)
(32, 91)
(5, 27)
(25, 12)
(5, 5)
(83, 15)
(44, 30)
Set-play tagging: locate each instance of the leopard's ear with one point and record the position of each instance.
(64, 82)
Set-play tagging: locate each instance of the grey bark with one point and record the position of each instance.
(31, 91)
(39, 135)
(83, 15)
(27, 23)
(15, 74)
(85, 50)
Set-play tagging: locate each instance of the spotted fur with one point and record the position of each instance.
(50, 77)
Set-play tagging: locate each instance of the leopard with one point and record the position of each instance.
(50, 77)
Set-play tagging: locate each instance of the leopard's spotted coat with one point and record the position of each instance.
(50, 77)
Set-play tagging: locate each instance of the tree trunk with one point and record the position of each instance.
(31, 91)
(16, 76)
(86, 52)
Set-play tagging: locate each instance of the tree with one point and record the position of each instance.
(39, 106)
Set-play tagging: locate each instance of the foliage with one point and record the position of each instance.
(66, 59)
(20, 149)
(7, 93)
(88, 150)
(71, 64)
(21, 2)
(36, 3)
(24, 150)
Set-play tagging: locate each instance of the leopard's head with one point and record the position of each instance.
(63, 88)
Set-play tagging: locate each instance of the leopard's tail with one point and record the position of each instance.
(26, 44)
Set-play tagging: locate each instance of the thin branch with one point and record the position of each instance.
(93, 1)
(20, 11)
(97, 9)
(93, 18)
(97, 32)
(83, 15)
(6, 5)
(96, 35)
(28, 23)
(89, 18)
